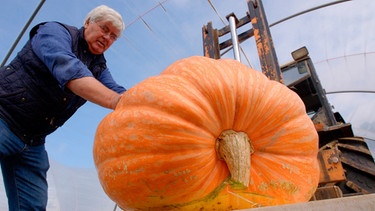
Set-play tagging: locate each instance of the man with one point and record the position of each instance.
(56, 72)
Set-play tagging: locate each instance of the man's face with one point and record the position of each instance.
(100, 35)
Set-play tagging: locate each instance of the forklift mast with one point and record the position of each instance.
(260, 31)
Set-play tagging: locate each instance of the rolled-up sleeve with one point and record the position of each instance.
(52, 45)
(107, 79)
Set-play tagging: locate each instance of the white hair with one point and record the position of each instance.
(105, 13)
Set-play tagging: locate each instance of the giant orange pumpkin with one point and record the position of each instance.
(207, 134)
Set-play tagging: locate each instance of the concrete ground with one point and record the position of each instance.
(353, 203)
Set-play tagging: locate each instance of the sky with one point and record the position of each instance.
(340, 39)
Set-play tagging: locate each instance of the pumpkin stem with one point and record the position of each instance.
(235, 149)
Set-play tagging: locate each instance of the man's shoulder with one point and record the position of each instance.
(51, 26)
(59, 25)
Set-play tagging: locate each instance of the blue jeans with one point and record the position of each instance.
(24, 171)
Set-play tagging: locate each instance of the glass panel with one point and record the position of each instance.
(294, 74)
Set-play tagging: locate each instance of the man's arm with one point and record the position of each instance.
(52, 44)
(92, 90)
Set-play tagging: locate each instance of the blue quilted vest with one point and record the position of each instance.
(31, 100)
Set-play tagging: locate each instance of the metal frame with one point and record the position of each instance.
(22, 32)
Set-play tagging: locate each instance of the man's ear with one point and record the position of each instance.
(87, 22)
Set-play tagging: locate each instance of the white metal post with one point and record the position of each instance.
(233, 30)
